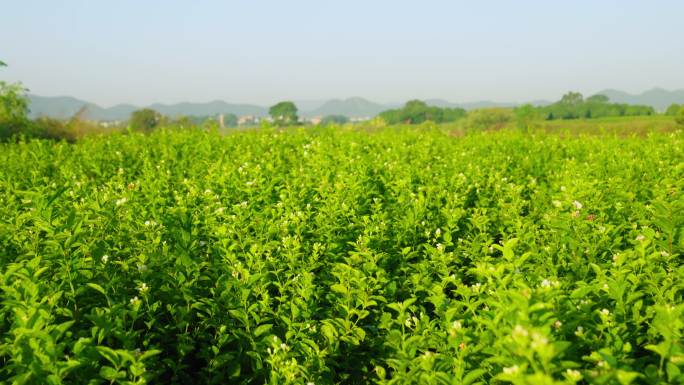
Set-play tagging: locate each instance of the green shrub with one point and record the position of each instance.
(340, 256)
(489, 118)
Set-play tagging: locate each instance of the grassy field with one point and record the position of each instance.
(343, 256)
(623, 126)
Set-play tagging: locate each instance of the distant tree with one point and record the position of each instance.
(417, 111)
(489, 118)
(573, 106)
(572, 98)
(183, 121)
(284, 113)
(525, 116)
(230, 120)
(334, 119)
(679, 118)
(673, 110)
(145, 120)
(598, 98)
(13, 108)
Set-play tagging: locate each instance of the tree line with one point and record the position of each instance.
(14, 119)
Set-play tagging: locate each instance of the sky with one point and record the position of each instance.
(259, 51)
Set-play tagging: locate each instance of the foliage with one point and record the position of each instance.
(13, 108)
(673, 110)
(332, 256)
(679, 118)
(334, 119)
(489, 118)
(573, 106)
(145, 120)
(284, 113)
(526, 117)
(417, 111)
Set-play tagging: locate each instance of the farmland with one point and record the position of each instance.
(342, 255)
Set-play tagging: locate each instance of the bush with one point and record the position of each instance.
(334, 119)
(417, 111)
(680, 116)
(145, 120)
(489, 118)
(13, 110)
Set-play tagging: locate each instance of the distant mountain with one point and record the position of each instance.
(658, 98)
(60, 107)
(351, 107)
(63, 107)
(211, 108)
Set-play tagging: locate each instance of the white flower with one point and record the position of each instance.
(456, 325)
(143, 288)
(573, 375)
(557, 324)
(438, 232)
(135, 300)
(121, 201)
(605, 312)
(546, 283)
(640, 237)
(105, 258)
(147, 223)
(579, 331)
(511, 370)
(577, 204)
(664, 254)
(519, 331)
(538, 341)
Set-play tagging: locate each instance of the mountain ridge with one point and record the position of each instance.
(62, 107)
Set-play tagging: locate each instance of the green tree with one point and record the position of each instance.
(334, 119)
(572, 98)
(230, 120)
(673, 110)
(145, 120)
(526, 116)
(284, 113)
(417, 111)
(679, 118)
(13, 108)
(598, 98)
(489, 118)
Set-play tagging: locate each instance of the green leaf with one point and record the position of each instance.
(97, 287)
(111, 374)
(261, 329)
(472, 376)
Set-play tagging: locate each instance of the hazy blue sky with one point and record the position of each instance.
(263, 51)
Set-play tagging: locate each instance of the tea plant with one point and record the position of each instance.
(327, 256)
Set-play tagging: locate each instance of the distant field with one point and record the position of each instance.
(624, 125)
(346, 256)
